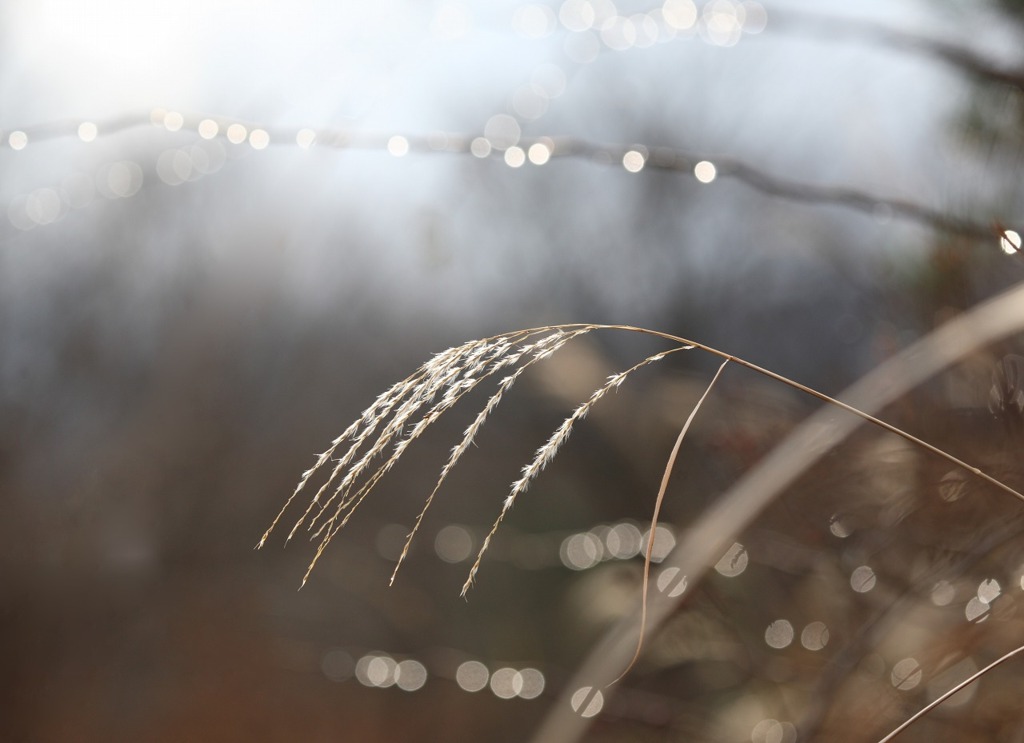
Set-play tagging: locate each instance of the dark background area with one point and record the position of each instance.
(178, 338)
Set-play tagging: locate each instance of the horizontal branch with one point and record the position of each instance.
(827, 27)
(531, 152)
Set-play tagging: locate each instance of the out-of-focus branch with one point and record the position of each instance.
(662, 158)
(828, 27)
(525, 154)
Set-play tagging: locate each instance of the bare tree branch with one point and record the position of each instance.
(668, 159)
(821, 26)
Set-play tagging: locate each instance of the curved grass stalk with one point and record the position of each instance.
(450, 374)
(665, 477)
(455, 372)
(709, 537)
(547, 452)
(946, 695)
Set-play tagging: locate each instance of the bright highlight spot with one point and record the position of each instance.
(705, 171)
(173, 121)
(779, 634)
(1010, 242)
(839, 527)
(664, 541)
(208, 128)
(472, 676)
(943, 593)
(453, 543)
(376, 670)
(722, 22)
(587, 701)
(410, 675)
(539, 153)
(633, 161)
(480, 147)
(236, 133)
(773, 731)
(756, 18)
(989, 590)
(733, 562)
(679, 14)
(906, 674)
(515, 157)
(502, 131)
(17, 140)
(532, 683)
(581, 551)
(305, 138)
(862, 579)
(259, 139)
(623, 541)
(87, 131)
(398, 146)
(670, 582)
(814, 636)
(506, 683)
(976, 610)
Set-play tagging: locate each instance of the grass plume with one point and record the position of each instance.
(403, 412)
(707, 538)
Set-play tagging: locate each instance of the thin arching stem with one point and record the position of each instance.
(833, 401)
(666, 476)
(943, 697)
(736, 509)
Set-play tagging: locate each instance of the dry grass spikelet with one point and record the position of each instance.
(403, 412)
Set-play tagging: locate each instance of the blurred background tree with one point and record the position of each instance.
(187, 314)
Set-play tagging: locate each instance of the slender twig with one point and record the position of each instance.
(828, 27)
(885, 618)
(943, 697)
(837, 403)
(735, 510)
(665, 477)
